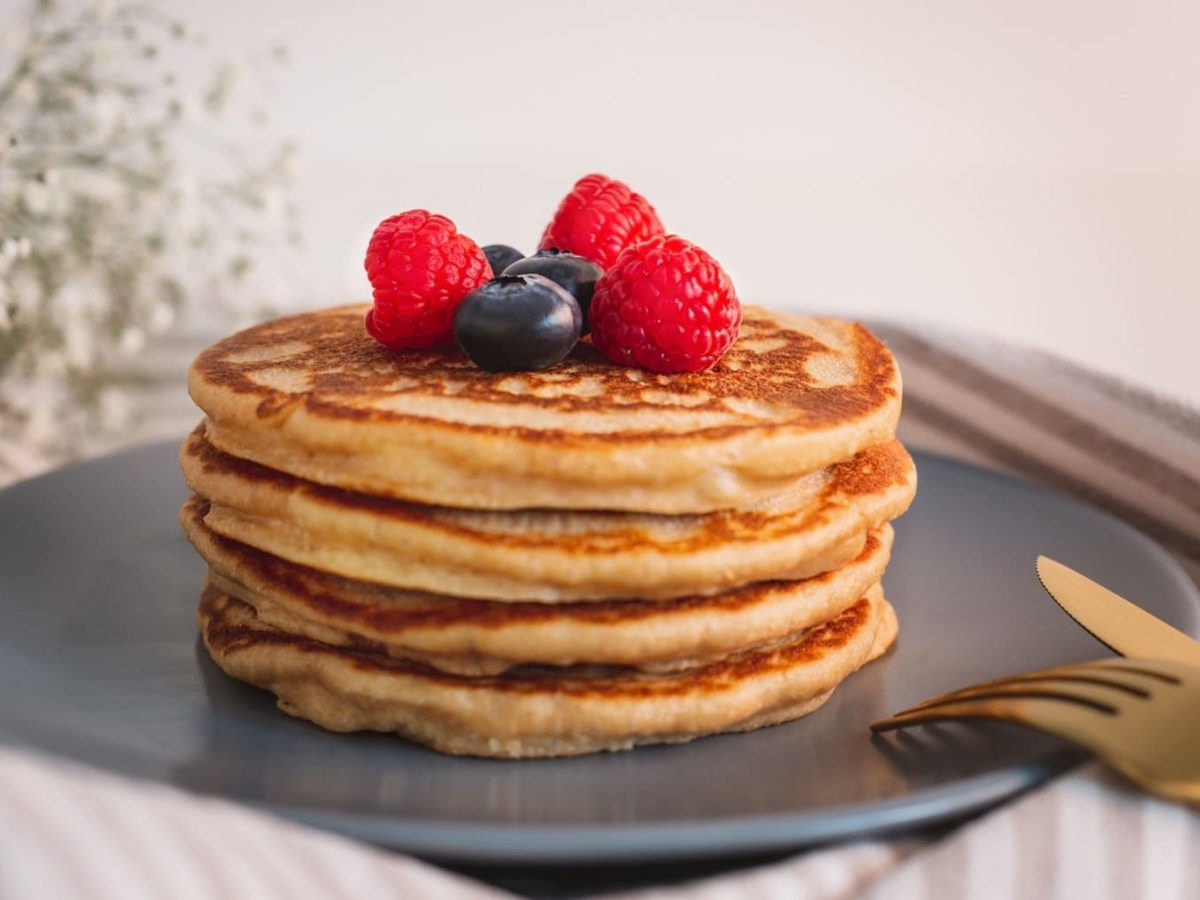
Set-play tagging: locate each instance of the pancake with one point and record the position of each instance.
(476, 637)
(314, 396)
(543, 712)
(550, 555)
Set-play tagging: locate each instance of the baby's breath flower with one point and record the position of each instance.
(78, 345)
(24, 90)
(132, 340)
(26, 293)
(161, 317)
(36, 199)
(40, 427)
(115, 409)
(110, 220)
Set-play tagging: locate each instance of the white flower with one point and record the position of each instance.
(107, 110)
(11, 249)
(47, 197)
(161, 317)
(132, 340)
(97, 186)
(36, 198)
(24, 92)
(41, 428)
(26, 291)
(115, 409)
(81, 295)
(79, 346)
(274, 202)
(109, 238)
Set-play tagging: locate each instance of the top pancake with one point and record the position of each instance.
(313, 395)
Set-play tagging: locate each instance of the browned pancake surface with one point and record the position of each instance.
(315, 396)
(339, 372)
(878, 470)
(368, 607)
(229, 626)
(539, 711)
(474, 636)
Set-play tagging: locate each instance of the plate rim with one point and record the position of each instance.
(714, 838)
(653, 841)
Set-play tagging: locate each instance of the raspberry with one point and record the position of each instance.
(666, 306)
(420, 268)
(599, 219)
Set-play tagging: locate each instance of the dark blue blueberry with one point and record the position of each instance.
(517, 323)
(501, 256)
(576, 274)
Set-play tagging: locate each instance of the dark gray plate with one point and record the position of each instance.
(99, 662)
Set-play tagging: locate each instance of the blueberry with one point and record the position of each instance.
(517, 323)
(576, 274)
(501, 256)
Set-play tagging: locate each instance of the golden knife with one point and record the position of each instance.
(1114, 621)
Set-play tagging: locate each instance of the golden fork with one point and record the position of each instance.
(1140, 716)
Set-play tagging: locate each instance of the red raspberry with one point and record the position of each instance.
(420, 268)
(599, 219)
(666, 306)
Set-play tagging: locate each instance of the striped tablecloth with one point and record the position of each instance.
(67, 831)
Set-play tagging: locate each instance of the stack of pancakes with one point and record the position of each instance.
(549, 563)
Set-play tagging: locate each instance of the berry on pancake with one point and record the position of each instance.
(600, 218)
(501, 256)
(578, 276)
(517, 323)
(666, 306)
(420, 268)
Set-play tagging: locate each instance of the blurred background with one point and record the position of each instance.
(1025, 170)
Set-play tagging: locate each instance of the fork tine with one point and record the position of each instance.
(1077, 677)
(1100, 696)
(1074, 721)
(1137, 715)
(1007, 679)
(1077, 724)
(948, 712)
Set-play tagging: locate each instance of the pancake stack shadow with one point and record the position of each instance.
(552, 563)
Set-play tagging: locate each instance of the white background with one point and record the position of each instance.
(1025, 169)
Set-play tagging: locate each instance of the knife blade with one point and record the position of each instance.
(1116, 622)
